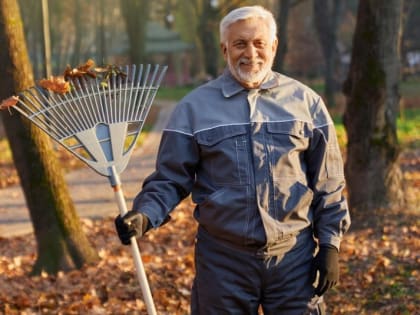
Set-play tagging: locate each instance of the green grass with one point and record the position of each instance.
(408, 128)
(173, 93)
(410, 87)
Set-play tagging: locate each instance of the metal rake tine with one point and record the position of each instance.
(144, 94)
(125, 115)
(108, 101)
(100, 94)
(40, 98)
(120, 97)
(84, 83)
(143, 120)
(162, 75)
(149, 96)
(96, 93)
(79, 101)
(134, 91)
(69, 110)
(132, 97)
(140, 92)
(111, 108)
(30, 111)
(148, 86)
(104, 103)
(55, 120)
(44, 107)
(25, 101)
(116, 98)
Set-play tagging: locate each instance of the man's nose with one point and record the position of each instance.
(250, 51)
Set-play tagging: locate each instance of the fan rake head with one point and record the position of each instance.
(100, 118)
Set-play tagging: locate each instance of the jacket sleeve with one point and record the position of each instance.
(172, 179)
(331, 217)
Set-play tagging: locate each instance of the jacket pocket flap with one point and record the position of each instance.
(212, 136)
(295, 128)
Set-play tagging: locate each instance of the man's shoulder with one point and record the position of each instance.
(286, 80)
(203, 92)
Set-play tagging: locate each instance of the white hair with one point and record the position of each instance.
(243, 13)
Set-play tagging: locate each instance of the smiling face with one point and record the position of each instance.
(249, 51)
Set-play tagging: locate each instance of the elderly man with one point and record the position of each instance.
(258, 152)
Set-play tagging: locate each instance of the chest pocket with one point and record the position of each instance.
(224, 153)
(287, 142)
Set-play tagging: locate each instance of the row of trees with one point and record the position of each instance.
(371, 88)
(109, 31)
(315, 36)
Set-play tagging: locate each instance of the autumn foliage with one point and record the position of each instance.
(61, 84)
(55, 84)
(379, 271)
(9, 102)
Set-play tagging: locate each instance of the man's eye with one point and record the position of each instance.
(260, 44)
(240, 45)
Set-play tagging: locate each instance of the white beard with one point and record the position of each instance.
(249, 77)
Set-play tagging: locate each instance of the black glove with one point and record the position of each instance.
(326, 262)
(133, 223)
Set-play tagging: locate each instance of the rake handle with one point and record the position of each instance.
(141, 274)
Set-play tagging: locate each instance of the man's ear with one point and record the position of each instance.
(223, 49)
(275, 44)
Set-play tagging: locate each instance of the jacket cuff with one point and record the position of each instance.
(330, 241)
(154, 218)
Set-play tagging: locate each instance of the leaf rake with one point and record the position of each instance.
(99, 121)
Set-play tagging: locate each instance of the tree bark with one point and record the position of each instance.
(135, 14)
(61, 243)
(100, 31)
(282, 21)
(207, 28)
(327, 15)
(78, 26)
(372, 169)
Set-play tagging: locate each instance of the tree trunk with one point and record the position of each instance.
(61, 243)
(207, 27)
(100, 31)
(282, 21)
(372, 169)
(78, 26)
(327, 15)
(135, 14)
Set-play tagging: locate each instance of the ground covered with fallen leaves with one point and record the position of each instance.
(379, 271)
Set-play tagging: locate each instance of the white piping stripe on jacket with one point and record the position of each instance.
(238, 124)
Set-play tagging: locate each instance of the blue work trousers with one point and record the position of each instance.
(239, 281)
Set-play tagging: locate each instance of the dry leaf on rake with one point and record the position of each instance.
(55, 84)
(80, 71)
(109, 71)
(9, 102)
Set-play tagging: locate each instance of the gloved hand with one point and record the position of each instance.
(133, 223)
(326, 262)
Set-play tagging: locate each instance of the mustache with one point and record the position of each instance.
(248, 61)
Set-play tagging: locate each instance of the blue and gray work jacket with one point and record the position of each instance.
(261, 164)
